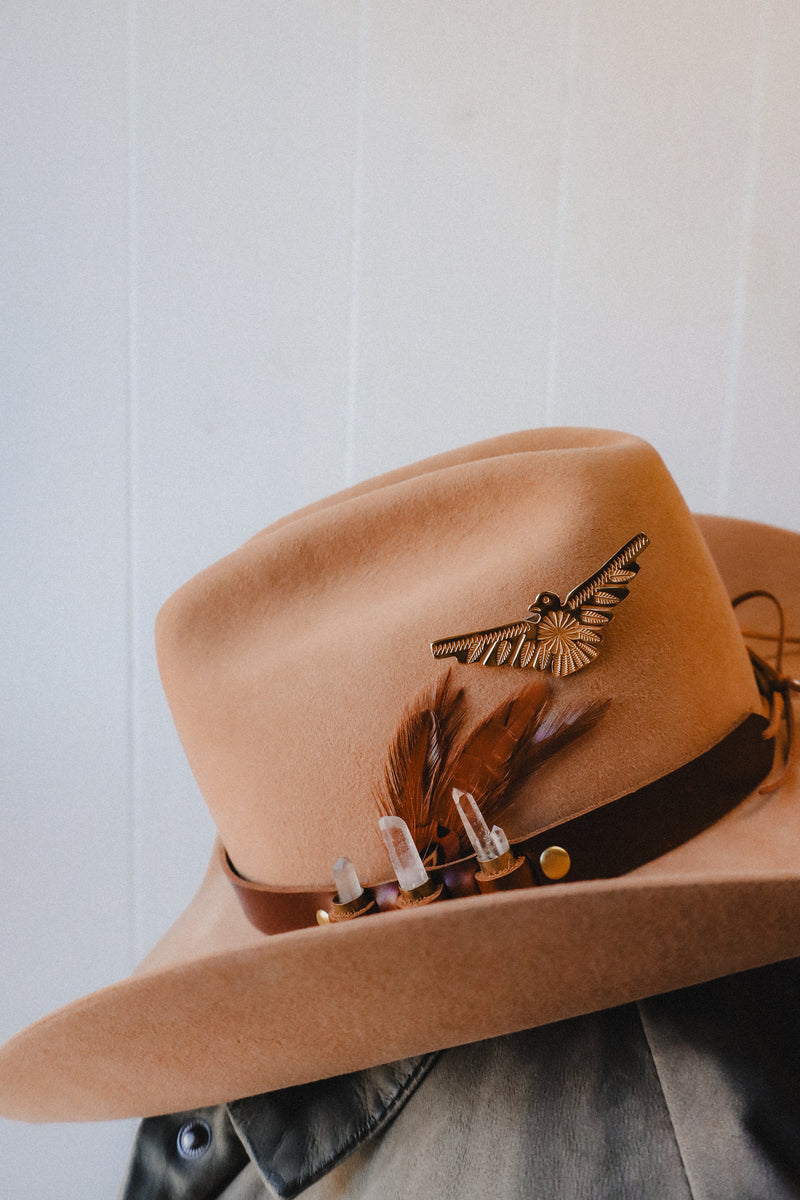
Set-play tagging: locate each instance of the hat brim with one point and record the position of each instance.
(218, 1010)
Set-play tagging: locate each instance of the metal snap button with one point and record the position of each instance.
(194, 1138)
(555, 862)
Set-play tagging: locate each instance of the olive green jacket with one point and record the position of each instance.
(694, 1095)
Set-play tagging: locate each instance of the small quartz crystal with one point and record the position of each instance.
(478, 832)
(346, 881)
(500, 840)
(406, 862)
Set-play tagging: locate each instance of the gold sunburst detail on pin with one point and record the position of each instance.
(564, 644)
(560, 637)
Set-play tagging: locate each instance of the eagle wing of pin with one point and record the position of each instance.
(560, 637)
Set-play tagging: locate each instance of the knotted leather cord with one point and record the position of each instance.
(774, 686)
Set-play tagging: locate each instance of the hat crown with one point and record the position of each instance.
(288, 664)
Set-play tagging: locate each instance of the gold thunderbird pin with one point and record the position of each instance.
(556, 637)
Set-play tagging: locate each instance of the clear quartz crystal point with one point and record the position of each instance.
(346, 881)
(408, 866)
(500, 840)
(478, 832)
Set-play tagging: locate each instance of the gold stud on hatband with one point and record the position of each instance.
(555, 862)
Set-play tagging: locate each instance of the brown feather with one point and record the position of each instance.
(483, 761)
(424, 764)
(513, 742)
(418, 757)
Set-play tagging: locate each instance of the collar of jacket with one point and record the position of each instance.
(298, 1134)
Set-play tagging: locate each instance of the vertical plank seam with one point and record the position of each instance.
(354, 321)
(562, 207)
(739, 303)
(132, 457)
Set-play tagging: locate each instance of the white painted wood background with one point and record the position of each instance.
(254, 251)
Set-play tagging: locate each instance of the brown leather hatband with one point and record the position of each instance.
(605, 842)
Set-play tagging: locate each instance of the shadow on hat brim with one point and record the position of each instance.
(218, 1011)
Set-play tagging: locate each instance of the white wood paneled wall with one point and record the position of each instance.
(256, 250)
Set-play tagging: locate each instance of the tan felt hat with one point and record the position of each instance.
(652, 856)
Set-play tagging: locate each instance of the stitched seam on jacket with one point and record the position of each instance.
(654, 1060)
